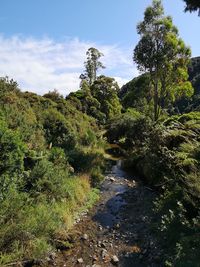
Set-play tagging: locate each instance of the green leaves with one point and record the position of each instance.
(105, 90)
(162, 53)
(192, 5)
(11, 158)
(92, 65)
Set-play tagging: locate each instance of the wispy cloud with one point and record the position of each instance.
(45, 64)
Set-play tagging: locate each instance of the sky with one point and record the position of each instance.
(43, 42)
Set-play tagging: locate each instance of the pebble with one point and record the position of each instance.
(80, 260)
(95, 258)
(115, 259)
(104, 253)
(85, 237)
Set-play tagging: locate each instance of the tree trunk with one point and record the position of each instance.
(156, 100)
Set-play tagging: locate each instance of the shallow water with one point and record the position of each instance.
(108, 215)
(118, 225)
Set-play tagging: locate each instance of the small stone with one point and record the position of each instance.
(103, 252)
(112, 179)
(85, 237)
(80, 260)
(103, 245)
(52, 256)
(95, 258)
(105, 255)
(115, 259)
(117, 226)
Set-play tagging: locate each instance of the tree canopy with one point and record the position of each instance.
(163, 54)
(92, 65)
(192, 5)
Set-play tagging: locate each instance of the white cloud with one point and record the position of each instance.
(43, 65)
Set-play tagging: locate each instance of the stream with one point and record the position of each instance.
(118, 230)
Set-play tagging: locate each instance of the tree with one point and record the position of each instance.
(92, 65)
(192, 5)
(163, 54)
(105, 90)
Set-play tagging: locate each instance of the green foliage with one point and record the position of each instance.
(105, 90)
(57, 130)
(96, 176)
(28, 225)
(100, 100)
(167, 156)
(130, 128)
(40, 192)
(192, 5)
(194, 75)
(11, 159)
(92, 65)
(162, 54)
(136, 92)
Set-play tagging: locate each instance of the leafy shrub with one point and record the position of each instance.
(58, 131)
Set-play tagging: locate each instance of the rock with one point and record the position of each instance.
(105, 255)
(80, 261)
(115, 259)
(85, 237)
(103, 244)
(52, 255)
(71, 169)
(95, 258)
(117, 226)
(103, 252)
(112, 179)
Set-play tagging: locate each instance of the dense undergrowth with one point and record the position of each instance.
(51, 156)
(167, 155)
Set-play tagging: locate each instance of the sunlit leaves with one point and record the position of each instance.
(162, 53)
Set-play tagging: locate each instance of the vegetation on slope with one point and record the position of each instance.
(164, 149)
(50, 157)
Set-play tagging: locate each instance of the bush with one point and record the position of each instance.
(58, 131)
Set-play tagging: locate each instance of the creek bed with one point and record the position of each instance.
(118, 228)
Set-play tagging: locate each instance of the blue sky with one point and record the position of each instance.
(43, 42)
